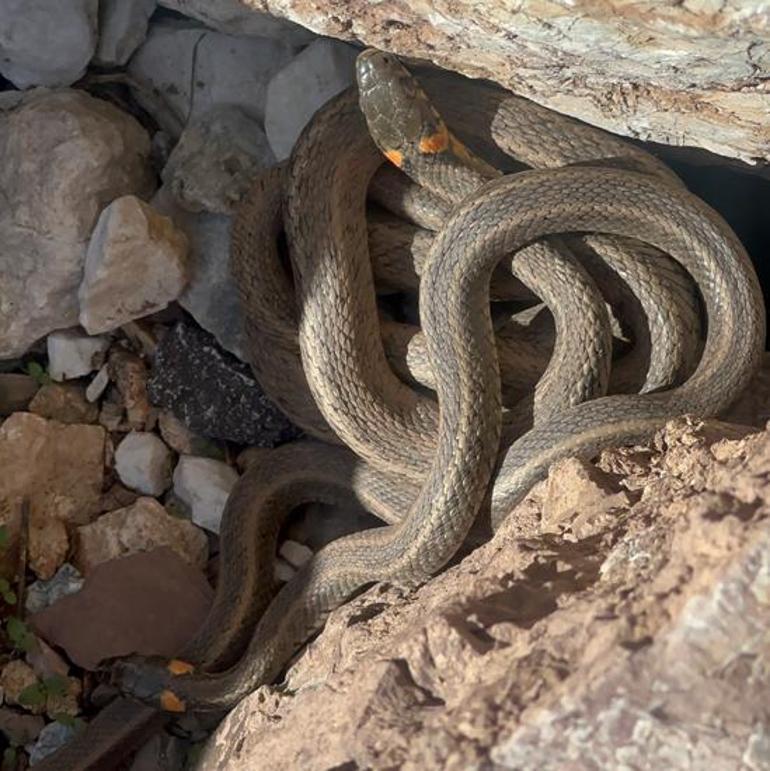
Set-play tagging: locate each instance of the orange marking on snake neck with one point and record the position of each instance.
(396, 157)
(179, 667)
(170, 702)
(435, 143)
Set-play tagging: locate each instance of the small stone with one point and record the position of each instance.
(214, 393)
(283, 571)
(66, 701)
(130, 375)
(143, 526)
(72, 353)
(44, 43)
(296, 554)
(111, 417)
(118, 497)
(51, 738)
(135, 265)
(319, 72)
(216, 159)
(16, 391)
(41, 594)
(48, 545)
(15, 677)
(98, 385)
(143, 463)
(122, 28)
(45, 661)
(179, 438)
(19, 729)
(66, 403)
(204, 485)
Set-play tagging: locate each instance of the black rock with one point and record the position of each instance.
(214, 393)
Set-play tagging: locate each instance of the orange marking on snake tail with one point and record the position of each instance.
(396, 157)
(170, 702)
(179, 667)
(435, 143)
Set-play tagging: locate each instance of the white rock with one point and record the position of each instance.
(41, 594)
(72, 353)
(296, 554)
(122, 28)
(283, 571)
(64, 156)
(99, 384)
(53, 736)
(143, 463)
(223, 69)
(294, 94)
(216, 159)
(135, 265)
(204, 484)
(46, 42)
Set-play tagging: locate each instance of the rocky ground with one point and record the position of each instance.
(126, 412)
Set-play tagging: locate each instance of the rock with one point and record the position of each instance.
(72, 354)
(16, 391)
(149, 603)
(143, 463)
(45, 661)
(118, 497)
(98, 384)
(41, 594)
(161, 753)
(66, 403)
(283, 571)
(38, 462)
(319, 72)
(213, 393)
(15, 677)
(142, 526)
(135, 265)
(204, 484)
(64, 156)
(216, 160)
(44, 43)
(296, 554)
(53, 736)
(111, 417)
(179, 438)
(538, 652)
(130, 375)
(224, 69)
(122, 28)
(19, 729)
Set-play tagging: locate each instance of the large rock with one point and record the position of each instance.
(122, 28)
(685, 73)
(64, 156)
(46, 42)
(635, 640)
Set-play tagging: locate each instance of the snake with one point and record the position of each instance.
(449, 452)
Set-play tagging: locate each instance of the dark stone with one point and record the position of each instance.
(214, 393)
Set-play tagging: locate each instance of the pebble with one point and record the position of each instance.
(41, 594)
(122, 29)
(135, 265)
(213, 393)
(65, 402)
(216, 160)
(180, 439)
(283, 571)
(53, 736)
(44, 43)
(296, 554)
(64, 157)
(204, 485)
(72, 353)
(129, 372)
(15, 677)
(19, 729)
(98, 384)
(319, 72)
(142, 526)
(143, 462)
(16, 391)
(45, 661)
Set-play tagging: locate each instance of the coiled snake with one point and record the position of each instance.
(429, 464)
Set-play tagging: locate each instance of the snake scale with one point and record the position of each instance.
(427, 466)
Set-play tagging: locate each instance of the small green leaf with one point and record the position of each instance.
(19, 634)
(77, 724)
(56, 685)
(10, 597)
(34, 695)
(37, 371)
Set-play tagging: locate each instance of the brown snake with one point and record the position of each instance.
(453, 451)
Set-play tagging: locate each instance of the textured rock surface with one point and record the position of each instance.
(72, 354)
(204, 484)
(135, 265)
(65, 402)
(143, 463)
(64, 156)
(690, 72)
(122, 28)
(638, 639)
(16, 391)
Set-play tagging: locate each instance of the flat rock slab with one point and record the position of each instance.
(212, 392)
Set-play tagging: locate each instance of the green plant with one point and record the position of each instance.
(36, 370)
(37, 694)
(6, 592)
(19, 634)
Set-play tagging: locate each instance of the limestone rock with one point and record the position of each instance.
(15, 677)
(65, 402)
(64, 156)
(179, 438)
(143, 526)
(616, 649)
(213, 393)
(314, 76)
(44, 43)
(204, 485)
(143, 463)
(98, 384)
(216, 159)
(41, 594)
(122, 28)
(72, 354)
(225, 69)
(16, 391)
(130, 375)
(135, 265)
